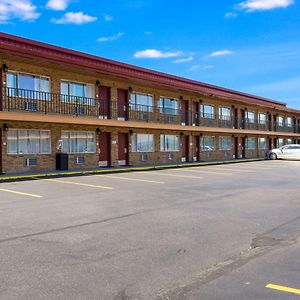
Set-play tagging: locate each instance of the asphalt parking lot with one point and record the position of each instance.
(210, 232)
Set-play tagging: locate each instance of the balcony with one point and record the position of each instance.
(52, 103)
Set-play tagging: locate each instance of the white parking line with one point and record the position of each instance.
(199, 170)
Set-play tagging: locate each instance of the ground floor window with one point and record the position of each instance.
(289, 141)
(169, 142)
(280, 142)
(225, 143)
(250, 143)
(262, 143)
(28, 141)
(208, 143)
(142, 142)
(78, 142)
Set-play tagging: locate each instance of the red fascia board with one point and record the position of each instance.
(31, 49)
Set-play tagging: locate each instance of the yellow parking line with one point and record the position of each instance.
(81, 184)
(283, 288)
(131, 179)
(204, 171)
(173, 175)
(21, 193)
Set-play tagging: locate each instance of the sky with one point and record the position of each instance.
(251, 46)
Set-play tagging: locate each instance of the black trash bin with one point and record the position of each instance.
(62, 161)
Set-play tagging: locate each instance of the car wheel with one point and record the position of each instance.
(273, 156)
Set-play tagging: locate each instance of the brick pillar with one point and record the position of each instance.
(114, 148)
(1, 89)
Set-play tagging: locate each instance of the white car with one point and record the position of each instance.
(291, 151)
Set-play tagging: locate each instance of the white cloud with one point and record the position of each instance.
(74, 18)
(260, 5)
(57, 4)
(152, 53)
(110, 38)
(108, 18)
(230, 15)
(196, 67)
(183, 60)
(148, 32)
(17, 9)
(220, 53)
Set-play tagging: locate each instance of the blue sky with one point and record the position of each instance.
(251, 46)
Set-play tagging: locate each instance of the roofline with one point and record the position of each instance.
(30, 48)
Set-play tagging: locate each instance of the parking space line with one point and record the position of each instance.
(80, 184)
(283, 288)
(21, 193)
(172, 175)
(131, 179)
(254, 167)
(204, 172)
(224, 168)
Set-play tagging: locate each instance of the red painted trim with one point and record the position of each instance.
(33, 49)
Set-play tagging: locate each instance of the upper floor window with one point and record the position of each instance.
(250, 115)
(168, 106)
(224, 113)
(262, 143)
(78, 142)
(225, 143)
(142, 142)
(280, 121)
(27, 86)
(262, 118)
(207, 111)
(28, 141)
(79, 93)
(169, 142)
(251, 143)
(141, 102)
(208, 143)
(288, 122)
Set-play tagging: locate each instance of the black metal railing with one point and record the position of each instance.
(52, 103)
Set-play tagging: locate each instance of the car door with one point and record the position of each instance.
(295, 152)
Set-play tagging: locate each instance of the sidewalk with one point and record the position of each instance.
(55, 174)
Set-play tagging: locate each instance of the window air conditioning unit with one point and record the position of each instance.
(170, 156)
(79, 160)
(30, 162)
(144, 157)
(30, 106)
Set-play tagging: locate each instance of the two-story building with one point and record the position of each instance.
(105, 113)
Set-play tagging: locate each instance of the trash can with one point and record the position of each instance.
(62, 161)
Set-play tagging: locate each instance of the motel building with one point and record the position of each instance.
(62, 109)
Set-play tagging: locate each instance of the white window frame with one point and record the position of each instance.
(163, 144)
(259, 143)
(250, 120)
(289, 124)
(69, 133)
(224, 117)
(260, 120)
(205, 115)
(229, 148)
(247, 143)
(281, 124)
(136, 140)
(28, 131)
(134, 105)
(162, 108)
(203, 145)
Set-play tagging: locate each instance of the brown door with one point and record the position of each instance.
(270, 144)
(104, 99)
(270, 122)
(123, 143)
(274, 123)
(236, 118)
(185, 147)
(242, 120)
(184, 112)
(196, 113)
(236, 147)
(196, 145)
(243, 145)
(104, 149)
(122, 104)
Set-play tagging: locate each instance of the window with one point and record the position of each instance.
(280, 142)
(168, 106)
(141, 102)
(225, 143)
(289, 141)
(250, 115)
(262, 143)
(262, 118)
(78, 142)
(207, 111)
(27, 86)
(280, 121)
(78, 93)
(289, 122)
(169, 142)
(250, 143)
(208, 143)
(142, 142)
(28, 141)
(224, 113)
